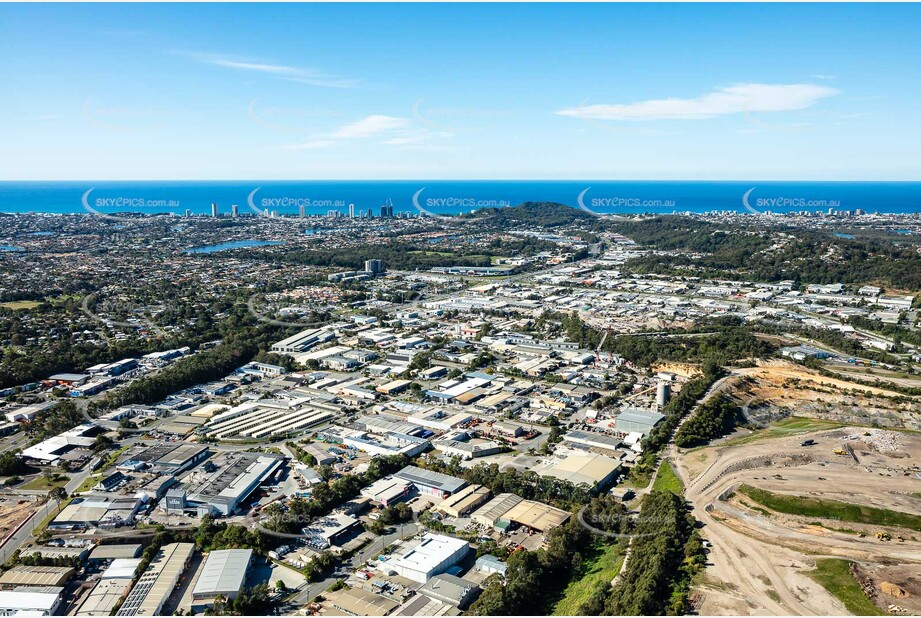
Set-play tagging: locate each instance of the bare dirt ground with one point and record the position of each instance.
(758, 560)
(683, 369)
(14, 510)
(775, 388)
(908, 577)
(779, 371)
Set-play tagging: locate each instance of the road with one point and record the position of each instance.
(25, 533)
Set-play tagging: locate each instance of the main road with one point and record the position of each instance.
(25, 532)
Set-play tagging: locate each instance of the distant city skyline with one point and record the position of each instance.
(451, 91)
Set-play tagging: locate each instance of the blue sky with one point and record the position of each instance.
(417, 91)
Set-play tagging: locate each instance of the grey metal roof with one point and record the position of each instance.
(427, 478)
(640, 416)
(224, 572)
(448, 588)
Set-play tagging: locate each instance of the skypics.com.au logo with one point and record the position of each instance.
(457, 204)
(122, 204)
(267, 315)
(761, 205)
(265, 206)
(595, 206)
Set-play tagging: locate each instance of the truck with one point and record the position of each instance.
(809, 442)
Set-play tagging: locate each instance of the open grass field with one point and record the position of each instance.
(16, 305)
(831, 509)
(41, 482)
(834, 575)
(667, 480)
(598, 570)
(790, 426)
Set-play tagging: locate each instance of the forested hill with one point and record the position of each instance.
(739, 251)
(532, 214)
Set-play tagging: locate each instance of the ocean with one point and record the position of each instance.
(442, 197)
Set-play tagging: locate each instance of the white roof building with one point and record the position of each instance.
(51, 449)
(30, 601)
(224, 573)
(433, 555)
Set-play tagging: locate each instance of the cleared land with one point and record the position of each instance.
(831, 509)
(42, 482)
(835, 576)
(776, 389)
(13, 511)
(761, 558)
(790, 426)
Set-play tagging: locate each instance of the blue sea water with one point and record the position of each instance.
(452, 197)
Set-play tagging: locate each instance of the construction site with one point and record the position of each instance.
(780, 506)
(774, 389)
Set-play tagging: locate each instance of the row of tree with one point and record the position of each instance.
(60, 417)
(532, 577)
(535, 579)
(730, 342)
(676, 409)
(665, 553)
(205, 366)
(713, 419)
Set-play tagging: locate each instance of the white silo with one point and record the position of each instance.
(663, 392)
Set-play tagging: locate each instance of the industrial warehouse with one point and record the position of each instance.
(222, 575)
(433, 554)
(221, 492)
(157, 583)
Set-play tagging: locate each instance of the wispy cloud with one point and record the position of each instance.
(389, 130)
(370, 126)
(282, 71)
(735, 99)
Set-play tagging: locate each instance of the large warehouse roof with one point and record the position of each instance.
(492, 511)
(637, 420)
(108, 552)
(23, 575)
(465, 500)
(536, 515)
(30, 600)
(104, 597)
(158, 582)
(430, 553)
(589, 469)
(362, 603)
(427, 478)
(224, 573)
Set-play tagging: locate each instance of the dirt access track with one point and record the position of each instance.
(758, 559)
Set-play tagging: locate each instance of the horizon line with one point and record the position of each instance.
(529, 180)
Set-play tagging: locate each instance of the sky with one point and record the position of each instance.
(460, 91)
